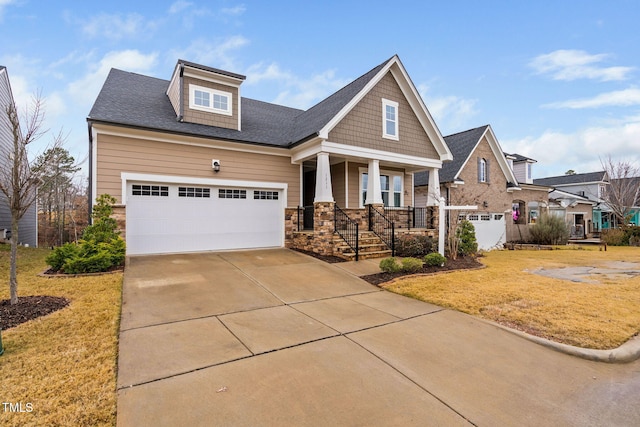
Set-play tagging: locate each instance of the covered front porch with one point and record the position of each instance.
(356, 207)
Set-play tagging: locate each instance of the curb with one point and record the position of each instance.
(626, 353)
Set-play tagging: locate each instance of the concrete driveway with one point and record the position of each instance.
(274, 337)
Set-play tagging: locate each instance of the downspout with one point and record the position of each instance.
(91, 166)
(181, 90)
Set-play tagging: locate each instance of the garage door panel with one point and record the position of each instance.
(187, 224)
(490, 230)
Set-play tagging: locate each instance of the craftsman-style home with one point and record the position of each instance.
(195, 166)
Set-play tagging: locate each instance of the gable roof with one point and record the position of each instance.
(139, 101)
(462, 145)
(578, 178)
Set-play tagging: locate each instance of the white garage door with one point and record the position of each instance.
(164, 218)
(491, 231)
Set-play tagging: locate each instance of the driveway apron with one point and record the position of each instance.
(274, 337)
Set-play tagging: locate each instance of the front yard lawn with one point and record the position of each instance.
(601, 312)
(61, 367)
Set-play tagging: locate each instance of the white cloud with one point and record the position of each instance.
(3, 4)
(118, 26)
(292, 90)
(179, 6)
(215, 53)
(557, 152)
(577, 64)
(85, 90)
(618, 98)
(234, 11)
(451, 112)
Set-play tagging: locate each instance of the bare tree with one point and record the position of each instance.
(623, 191)
(18, 181)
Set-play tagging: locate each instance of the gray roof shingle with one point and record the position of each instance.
(577, 178)
(135, 100)
(461, 145)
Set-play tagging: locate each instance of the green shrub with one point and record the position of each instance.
(466, 234)
(613, 237)
(100, 248)
(410, 245)
(550, 230)
(58, 257)
(434, 260)
(94, 263)
(632, 235)
(411, 265)
(390, 265)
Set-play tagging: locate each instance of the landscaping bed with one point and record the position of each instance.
(461, 263)
(28, 308)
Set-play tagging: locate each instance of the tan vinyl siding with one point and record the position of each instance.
(354, 184)
(338, 184)
(362, 127)
(408, 190)
(118, 154)
(174, 94)
(206, 118)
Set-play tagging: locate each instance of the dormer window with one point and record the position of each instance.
(210, 100)
(389, 119)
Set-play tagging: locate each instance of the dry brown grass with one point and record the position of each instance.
(64, 364)
(600, 316)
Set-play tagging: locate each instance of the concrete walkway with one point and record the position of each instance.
(274, 337)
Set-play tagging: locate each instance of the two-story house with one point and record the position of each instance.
(196, 166)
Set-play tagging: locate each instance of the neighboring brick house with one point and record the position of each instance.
(481, 175)
(28, 225)
(195, 166)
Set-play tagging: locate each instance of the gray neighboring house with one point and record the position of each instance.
(28, 226)
(591, 186)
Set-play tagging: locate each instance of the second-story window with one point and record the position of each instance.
(483, 170)
(211, 100)
(389, 119)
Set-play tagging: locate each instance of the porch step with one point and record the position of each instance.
(369, 245)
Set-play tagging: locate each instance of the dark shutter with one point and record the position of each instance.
(487, 169)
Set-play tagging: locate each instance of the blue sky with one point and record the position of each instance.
(559, 81)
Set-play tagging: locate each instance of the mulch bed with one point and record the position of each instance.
(28, 308)
(461, 263)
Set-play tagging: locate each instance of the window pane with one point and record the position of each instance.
(220, 102)
(385, 198)
(396, 199)
(391, 127)
(397, 183)
(201, 98)
(384, 182)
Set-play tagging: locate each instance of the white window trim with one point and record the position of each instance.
(385, 103)
(211, 92)
(388, 173)
(483, 170)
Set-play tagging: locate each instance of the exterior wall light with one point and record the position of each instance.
(215, 164)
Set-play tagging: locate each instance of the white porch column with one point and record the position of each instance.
(324, 193)
(374, 192)
(441, 224)
(433, 196)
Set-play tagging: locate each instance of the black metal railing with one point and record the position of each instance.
(346, 228)
(411, 216)
(305, 218)
(383, 227)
